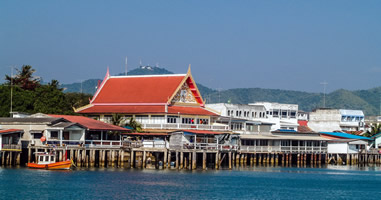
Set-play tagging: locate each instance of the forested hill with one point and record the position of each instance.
(367, 100)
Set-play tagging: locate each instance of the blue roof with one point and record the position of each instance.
(377, 135)
(286, 130)
(346, 135)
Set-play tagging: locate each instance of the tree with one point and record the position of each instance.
(134, 125)
(24, 78)
(118, 120)
(374, 129)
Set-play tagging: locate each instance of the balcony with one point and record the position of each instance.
(285, 149)
(11, 147)
(186, 126)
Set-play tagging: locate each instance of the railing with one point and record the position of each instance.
(10, 147)
(87, 143)
(284, 149)
(185, 126)
(200, 146)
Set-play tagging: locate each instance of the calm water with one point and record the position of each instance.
(254, 183)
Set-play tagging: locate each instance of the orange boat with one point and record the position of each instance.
(47, 161)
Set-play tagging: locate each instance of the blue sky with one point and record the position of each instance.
(291, 45)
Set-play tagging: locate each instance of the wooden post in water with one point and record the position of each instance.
(84, 158)
(144, 159)
(78, 158)
(132, 159)
(169, 159)
(165, 161)
(272, 159)
(29, 154)
(190, 161)
(259, 159)
(181, 159)
(204, 160)
(251, 160)
(194, 160)
(219, 159)
(216, 161)
(298, 161)
(177, 159)
(230, 160)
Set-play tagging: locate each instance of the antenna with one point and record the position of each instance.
(325, 85)
(140, 63)
(126, 67)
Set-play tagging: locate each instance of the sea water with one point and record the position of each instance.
(250, 183)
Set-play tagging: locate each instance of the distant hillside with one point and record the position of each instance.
(366, 100)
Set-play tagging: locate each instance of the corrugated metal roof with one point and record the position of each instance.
(345, 135)
(9, 131)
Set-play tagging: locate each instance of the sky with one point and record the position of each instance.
(293, 45)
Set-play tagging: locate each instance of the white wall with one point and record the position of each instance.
(337, 148)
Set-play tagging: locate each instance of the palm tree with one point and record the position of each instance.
(136, 126)
(118, 120)
(24, 78)
(374, 129)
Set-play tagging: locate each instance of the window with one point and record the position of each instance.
(172, 119)
(276, 113)
(228, 112)
(188, 120)
(37, 135)
(284, 114)
(46, 158)
(293, 114)
(54, 134)
(157, 119)
(51, 158)
(142, 119)
(202, 121)
(41, 158)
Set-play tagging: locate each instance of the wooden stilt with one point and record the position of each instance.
(190, 161)
(181, 159)
(194, 160)
(216, 161)
(204, 160)
(230, 160)
(177, 160)
(29, 154)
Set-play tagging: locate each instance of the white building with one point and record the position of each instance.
(283, 116)
(328, 120)
(279, 116)
(346, 146)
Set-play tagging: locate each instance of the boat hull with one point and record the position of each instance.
(57, 165)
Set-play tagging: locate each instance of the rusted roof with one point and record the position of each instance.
(151, 134)
(91, 124)
(204, 132)
(9, 131)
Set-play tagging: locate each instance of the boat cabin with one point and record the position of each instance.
(44, 158)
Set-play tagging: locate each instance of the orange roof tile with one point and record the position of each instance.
(138, 89)
(91, 124)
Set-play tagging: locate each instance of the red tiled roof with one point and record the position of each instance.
(302, 122)
(153, 134)
(155, 89)
(10, 131)
(203, 132)
(91, 124)
(146, 109)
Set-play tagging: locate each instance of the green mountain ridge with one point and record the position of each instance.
(366, 100)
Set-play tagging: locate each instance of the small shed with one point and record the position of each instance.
(10, 139)
(347, 146)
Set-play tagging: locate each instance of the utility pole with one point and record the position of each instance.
(325, 85)
(11, 91)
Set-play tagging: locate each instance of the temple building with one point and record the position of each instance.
(158, 102)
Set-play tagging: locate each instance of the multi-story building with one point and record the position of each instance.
(158, 102)
(243, 119)
(328, 120)
(283, 116)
